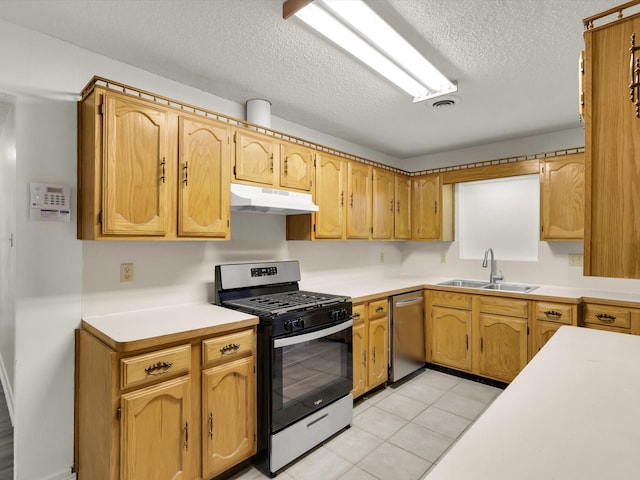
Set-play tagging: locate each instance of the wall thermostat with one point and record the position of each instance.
(49, 202)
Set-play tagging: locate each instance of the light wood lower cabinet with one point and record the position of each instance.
(449, 329)
(229, 422)
(155, 431)
(178, 412)
(613, 318)
(549, 317)
(370, 346)
(480, 334)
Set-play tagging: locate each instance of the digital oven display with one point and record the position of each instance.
(264, 271)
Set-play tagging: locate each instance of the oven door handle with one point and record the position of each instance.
(306, 337)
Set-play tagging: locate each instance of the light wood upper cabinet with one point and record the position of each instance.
(296, 166)
(255, 157)
(155, 431)
(383, 204)
(431, 209)
(612, 149)
(147, 171)
(204, 180)
(331, 189)
(562, 198)
(137, 167)
(358, 201)
(402, 212)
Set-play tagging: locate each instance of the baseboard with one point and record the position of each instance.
(8, 391)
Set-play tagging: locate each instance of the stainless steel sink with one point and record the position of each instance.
(465, 283)
(510, 287)
(506, 287)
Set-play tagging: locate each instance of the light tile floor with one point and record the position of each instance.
(396, 433)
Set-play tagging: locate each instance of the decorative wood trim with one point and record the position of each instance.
(185, 107)
(588, 22)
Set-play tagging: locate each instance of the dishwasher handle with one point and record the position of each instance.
(411, 301)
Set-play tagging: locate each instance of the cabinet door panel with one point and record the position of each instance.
(402, 215)
(154, 435)
(229, 415)
(378, 352)
(296, 169)
(425, 205)
(383, 204)
(544, 331)
(359, 201)
(562, 198)
(330, 195)
(138, 172)
(255, 161)
(451, 337)
(502, 346)
(204, 178)
(359, 358)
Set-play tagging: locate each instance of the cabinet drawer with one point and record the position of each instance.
(555, 312)
(379, 308)
(148, 367)
(228, 347)
(608, 316)
(359, 313)
(504, 306)
(451, 299)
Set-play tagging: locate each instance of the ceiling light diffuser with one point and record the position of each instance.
(352, 25)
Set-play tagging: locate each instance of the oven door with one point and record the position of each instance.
(310, 370)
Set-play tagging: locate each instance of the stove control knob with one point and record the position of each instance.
(299, 322)
(288, 325)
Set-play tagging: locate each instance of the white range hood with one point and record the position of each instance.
(248, 198)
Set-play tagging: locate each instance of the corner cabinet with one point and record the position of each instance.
(431, 209)
(562, 198)
(612, 146)
(148, 171)
(184, 411)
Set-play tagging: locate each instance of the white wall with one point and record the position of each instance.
(7, 252)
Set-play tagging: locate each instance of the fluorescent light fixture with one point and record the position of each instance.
(352, 25)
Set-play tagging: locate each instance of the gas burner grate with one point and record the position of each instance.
(277, 303)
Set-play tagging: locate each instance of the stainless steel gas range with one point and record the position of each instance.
(305, 357)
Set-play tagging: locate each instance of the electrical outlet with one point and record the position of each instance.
(126, 272)
(576, 259)
(443, 258)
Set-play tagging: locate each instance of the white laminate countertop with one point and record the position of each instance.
(124, 331)
(572, 414)
(363, 287)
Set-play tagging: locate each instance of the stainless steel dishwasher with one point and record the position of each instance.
(407, 337)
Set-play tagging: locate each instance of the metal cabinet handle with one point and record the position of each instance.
(162, 165)
(210, 424)
(398, 204)
(379, 309)
(553, 313)
(271, 164)
(351, 199)
(374, 355)
(605, 317)
(186, 435)
(481, 344)
(435, 207)
(392, 202)
(230, 349)
(364, 359)
(342, 198)
(185, 170)
(634, 70)
(163, 367)
(356, 316)
(466, 339)
(286, 166)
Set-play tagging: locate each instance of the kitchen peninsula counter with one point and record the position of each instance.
(572, 413)
(132, 330)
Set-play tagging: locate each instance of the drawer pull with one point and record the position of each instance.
(163, 367)
(553, 313)
(605, 317)
(356, 316)
(230, 349)
(379, 309)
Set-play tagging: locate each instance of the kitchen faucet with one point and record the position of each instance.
(493, 276)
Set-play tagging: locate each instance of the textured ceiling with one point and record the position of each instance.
(515, 61)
